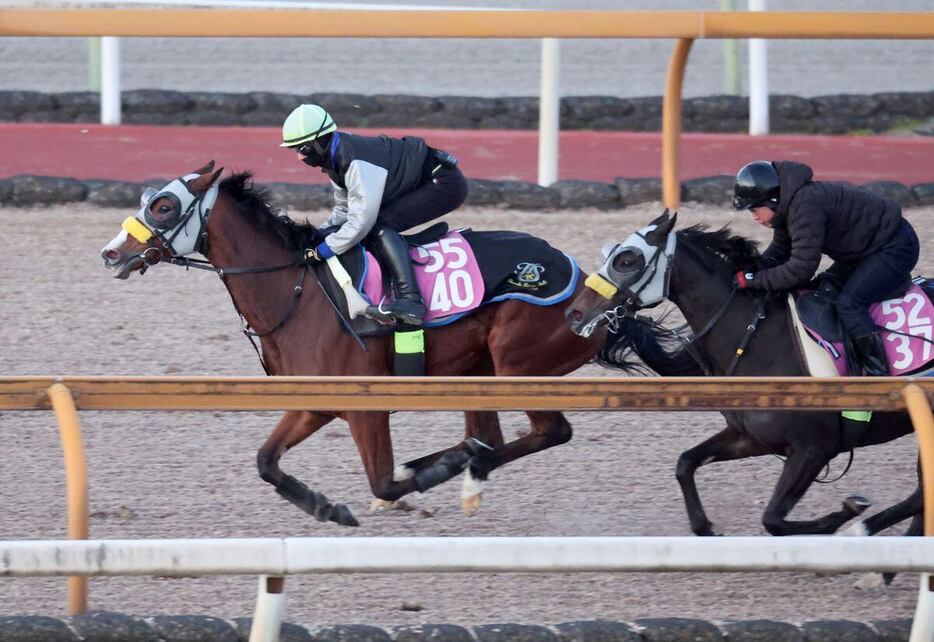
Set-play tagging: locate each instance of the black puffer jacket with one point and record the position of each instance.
(813, 218)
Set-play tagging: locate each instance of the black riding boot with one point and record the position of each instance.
(408, 306)
(872, 354)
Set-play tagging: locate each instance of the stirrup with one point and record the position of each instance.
(388, 316)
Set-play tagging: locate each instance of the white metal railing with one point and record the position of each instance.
(272, 559)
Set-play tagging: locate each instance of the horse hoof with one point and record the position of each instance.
(709, 530)
(343, 516)
(471, 493)
(471, 504)
(857, 504)
(378, 505)
(870, 581)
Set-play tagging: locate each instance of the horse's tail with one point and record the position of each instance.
(657, 350)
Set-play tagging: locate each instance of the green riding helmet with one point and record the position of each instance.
(305, 124)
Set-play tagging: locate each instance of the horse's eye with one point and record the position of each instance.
(165, 209)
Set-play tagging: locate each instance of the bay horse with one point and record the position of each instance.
(693, 268)
(254, 251)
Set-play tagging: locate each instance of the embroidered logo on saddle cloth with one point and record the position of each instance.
(447, 273)
(909, 321)
(528, 276)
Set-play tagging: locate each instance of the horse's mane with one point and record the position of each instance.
(721, 251)
(254, 202)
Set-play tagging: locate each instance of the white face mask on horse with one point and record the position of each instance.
(179, 222)
(639, 267)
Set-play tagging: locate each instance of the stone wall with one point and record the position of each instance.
(835, 114)
(22, 191)
(105, 626)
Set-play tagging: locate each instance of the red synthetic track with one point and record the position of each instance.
(140, 152)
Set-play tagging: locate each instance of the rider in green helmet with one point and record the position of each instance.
(382, 186)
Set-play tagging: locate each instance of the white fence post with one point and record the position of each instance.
(758, 80)
(270, 604)
(110, 80)
(549, 109)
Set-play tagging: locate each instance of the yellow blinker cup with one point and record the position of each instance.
(601, 286)
(136, 229)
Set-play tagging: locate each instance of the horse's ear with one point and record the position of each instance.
(661, 219)
(204, 182)
(664, 223)
(207, 168)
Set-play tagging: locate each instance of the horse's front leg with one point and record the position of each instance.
(800, 470)
(293, 428)
(370, 431)
(726, 445)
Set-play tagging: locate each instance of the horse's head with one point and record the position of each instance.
(170, 223)
(634, 275)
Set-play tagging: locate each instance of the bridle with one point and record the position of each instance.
(604, 279)
(200, 205)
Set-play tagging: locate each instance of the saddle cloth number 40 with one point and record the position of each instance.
(448, 273)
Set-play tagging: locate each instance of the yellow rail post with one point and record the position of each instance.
(671, 123)
(76, 479)
(922, 629)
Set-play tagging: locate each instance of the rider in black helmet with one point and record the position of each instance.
(874, 249)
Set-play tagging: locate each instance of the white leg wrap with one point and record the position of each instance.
(856, 529)
(471, 486)
(401, 473)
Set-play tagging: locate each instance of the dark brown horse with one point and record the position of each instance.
(734, 333)
(254, 251)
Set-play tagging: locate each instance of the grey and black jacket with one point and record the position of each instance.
(366, 172)
(813, 218)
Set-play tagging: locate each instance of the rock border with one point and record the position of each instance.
(100, 626)
(30, 190)
(832, 114)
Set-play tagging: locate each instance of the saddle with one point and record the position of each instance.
(907, 322)
(460, 271)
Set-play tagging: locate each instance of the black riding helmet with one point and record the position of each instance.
(756, 185)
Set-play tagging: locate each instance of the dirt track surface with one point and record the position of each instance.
(162, 475)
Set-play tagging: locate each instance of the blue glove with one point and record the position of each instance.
(320, 253)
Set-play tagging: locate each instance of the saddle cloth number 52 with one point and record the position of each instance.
(910, 319)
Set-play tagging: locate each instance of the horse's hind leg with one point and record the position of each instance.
(912, 506)
(293, 428)
(482, 426)
(549, 428)
(801, 468)
(481, 430)
(726, 445)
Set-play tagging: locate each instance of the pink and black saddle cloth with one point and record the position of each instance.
(907, 323)
(459, 271)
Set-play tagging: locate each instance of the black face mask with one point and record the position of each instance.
(314, 160)
(314, 154)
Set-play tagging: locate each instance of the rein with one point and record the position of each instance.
(691, 345)
(250, 333)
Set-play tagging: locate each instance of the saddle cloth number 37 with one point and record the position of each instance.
(909, 315)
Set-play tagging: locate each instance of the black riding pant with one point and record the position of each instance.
(442, 193)
(876, 278)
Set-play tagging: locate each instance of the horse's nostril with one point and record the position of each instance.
(110, 255)
(575, 315)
